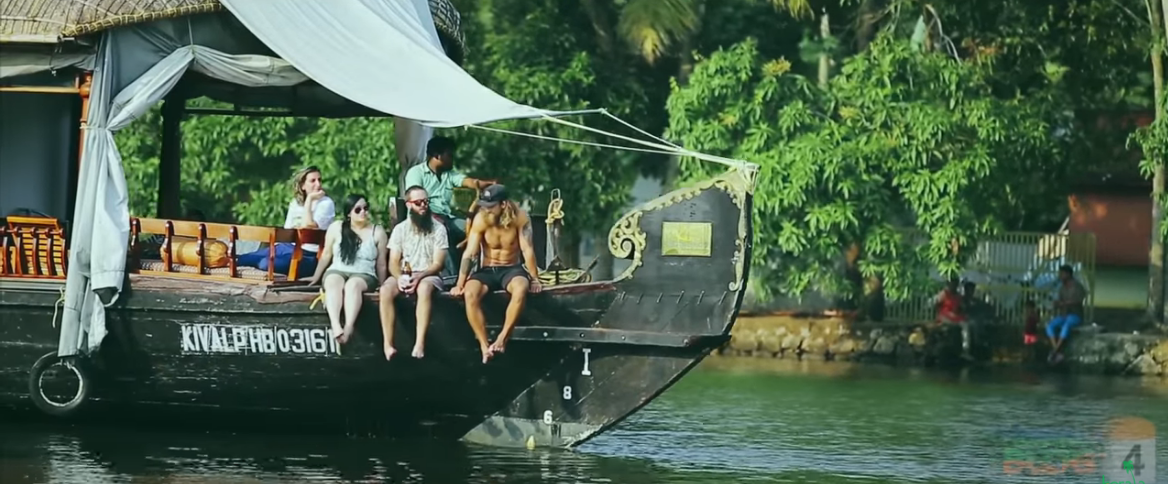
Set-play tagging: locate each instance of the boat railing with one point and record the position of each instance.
(33, 248)
(209, 250)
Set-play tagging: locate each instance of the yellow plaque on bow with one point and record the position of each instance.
(686, 238)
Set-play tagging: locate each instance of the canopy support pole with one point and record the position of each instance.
(83, 83)
(170, 159)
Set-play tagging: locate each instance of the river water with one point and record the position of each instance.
(730, 420)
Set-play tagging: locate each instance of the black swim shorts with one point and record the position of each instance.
(496, 278)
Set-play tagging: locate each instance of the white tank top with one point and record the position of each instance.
(364, 261)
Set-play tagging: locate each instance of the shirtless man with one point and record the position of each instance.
(505, 230)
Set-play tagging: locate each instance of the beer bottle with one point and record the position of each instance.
(407, 274)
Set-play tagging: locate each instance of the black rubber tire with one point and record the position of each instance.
(66, 409)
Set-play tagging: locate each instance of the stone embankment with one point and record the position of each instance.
(835, 337)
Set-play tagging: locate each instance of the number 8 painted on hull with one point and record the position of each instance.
(567, 393)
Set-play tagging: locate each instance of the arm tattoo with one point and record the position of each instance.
(527, 230)
(464, 268)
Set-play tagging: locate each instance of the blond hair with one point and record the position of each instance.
(298, 182)
(508, 215)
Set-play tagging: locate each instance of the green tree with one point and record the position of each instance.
(238, 169)
(900, 143)
(539, 53)
(656, 29)
(547, 54)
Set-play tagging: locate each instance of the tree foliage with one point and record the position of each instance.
(901, 147)
(545, 54)
(905, 153)
(538, 53)
(239, 168)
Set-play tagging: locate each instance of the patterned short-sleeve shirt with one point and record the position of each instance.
(416, 247)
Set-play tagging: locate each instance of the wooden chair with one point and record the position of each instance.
(203, 234)
(35, 247)
(7, 251)
(303, 236)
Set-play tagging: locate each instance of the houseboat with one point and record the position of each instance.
(125, 331)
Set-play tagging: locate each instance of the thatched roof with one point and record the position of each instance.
(48, 21)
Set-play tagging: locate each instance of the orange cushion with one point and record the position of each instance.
(186, 253)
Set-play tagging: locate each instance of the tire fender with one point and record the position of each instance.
(59, 409)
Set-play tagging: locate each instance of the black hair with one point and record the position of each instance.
(349, 238)
(1067, 268)
(438, 146)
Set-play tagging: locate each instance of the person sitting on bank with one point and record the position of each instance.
(1068, 310)
(354, 253)
(949, 304)
(420, 243)
(953, 309)
(310, 208)
(439, 178)
(505, 231)
(1030, 328)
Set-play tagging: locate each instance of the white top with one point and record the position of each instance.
(417, 248)
(364, 261)
(323, 213)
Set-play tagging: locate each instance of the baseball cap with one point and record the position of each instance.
(492, 195)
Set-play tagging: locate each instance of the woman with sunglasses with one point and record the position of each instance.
(359, 265)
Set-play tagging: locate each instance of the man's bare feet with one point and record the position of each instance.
(499, 346)
(487, 354)
(418, 352)
(389, 351)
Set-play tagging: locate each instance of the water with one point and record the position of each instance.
(731, 420)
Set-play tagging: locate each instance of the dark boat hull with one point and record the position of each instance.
(583, 357)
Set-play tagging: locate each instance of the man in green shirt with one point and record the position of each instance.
(438, 176)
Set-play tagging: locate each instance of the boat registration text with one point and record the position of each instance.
(265, 340)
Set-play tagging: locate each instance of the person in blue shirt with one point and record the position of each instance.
(439, 178)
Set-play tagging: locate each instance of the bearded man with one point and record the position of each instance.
(420, 243)
(501, 231)
(439, 177)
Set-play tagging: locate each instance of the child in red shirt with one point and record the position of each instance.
(1030, 332)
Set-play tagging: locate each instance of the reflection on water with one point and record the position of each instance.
(732, 420)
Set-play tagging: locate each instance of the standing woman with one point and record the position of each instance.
(354, 253)
(310, 208)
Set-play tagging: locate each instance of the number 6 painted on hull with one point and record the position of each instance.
(547, 417)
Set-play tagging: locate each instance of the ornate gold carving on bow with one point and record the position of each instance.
(626, 240)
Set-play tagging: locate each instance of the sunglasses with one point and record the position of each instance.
(360, 209)
(419, 203)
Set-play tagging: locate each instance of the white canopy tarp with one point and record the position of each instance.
(380, 53)
(384, 54)
(101, 217)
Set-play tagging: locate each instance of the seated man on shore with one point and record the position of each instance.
(420, 244)
(1068, 309)
(505, 231)
(438, 176)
